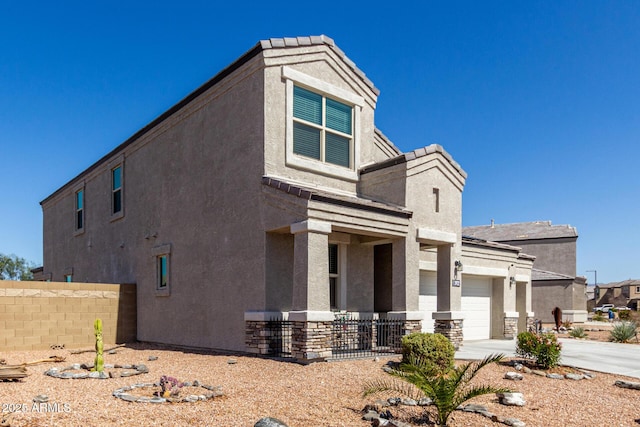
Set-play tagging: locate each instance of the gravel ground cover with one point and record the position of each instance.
(320, 394)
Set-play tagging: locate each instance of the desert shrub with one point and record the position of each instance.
(598, 317)
(543, 348)
(578, 332)
(566, 324)
(623, 331)
(434, 350)
(624, 314)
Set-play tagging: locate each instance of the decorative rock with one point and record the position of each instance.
(111, 352)
(474, 408)
(152, 358)
(114, 374)
(425, 401)
(110, 366)
(196, 383)
(370, 415)
(270, 422)
(627, 384)
(537, 372)
(394, 401)
(408, 402)
(526, 370)
(186, 384)
(232, 361)
(513, 422)
(511, 399)
(575, 377)
(555, 376)
(80, 375)
(41, 398)
(588, 374)
(191, 398)
(157, 399)
(518, 366)
(127, 397)
(513, 376)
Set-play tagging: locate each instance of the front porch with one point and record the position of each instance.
(346, 336)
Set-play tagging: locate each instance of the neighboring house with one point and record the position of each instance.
(268, 193)
(554, 280)
(625, 293)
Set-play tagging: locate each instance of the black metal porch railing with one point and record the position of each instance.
(279, 338)
(350, 338)
(356, 338)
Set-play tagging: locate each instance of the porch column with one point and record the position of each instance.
(405, 294)
(503, 311)
(449, 317)
(310, 313)
(311, 266)
(523, 302)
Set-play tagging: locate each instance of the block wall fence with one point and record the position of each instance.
(37, 315)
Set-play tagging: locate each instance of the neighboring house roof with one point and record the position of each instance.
(548, 275)
(629, 282)
(273, 43)
(467, 240)
(520, 231)
(411, 155)
(336, 199)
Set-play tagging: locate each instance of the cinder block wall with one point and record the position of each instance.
(37, 315)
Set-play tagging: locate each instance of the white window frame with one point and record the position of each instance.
(78, 231)
(292, 78)
(158, 252)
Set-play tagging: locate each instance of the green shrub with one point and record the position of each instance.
(434, 350)
(578, 332)
(623, 332)
(598, 317)
(543, 348)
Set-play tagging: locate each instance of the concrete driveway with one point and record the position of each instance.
(613, 358)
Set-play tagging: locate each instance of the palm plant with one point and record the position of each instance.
(447, 390)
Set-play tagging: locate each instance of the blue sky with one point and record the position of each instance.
(538, 101)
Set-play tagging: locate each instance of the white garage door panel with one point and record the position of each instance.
(428, 300)
(476, 306)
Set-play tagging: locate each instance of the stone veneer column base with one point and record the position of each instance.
(311, 341)
(257, 337)
(450, 328)
(510, 328)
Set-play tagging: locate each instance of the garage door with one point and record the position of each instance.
(476, 306)
(428, 299)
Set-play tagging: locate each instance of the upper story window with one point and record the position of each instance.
(323, 123)
(116, 190)
(79, 210)
(322, 128)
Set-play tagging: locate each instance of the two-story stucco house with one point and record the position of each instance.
(554, 280)
(269, 191)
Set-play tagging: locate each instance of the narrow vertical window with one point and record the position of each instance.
(79, 210)
(436, 197)
(333, 276)
(116, 190)
(163, 272)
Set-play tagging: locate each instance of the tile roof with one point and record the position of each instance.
(520, 231)
(629, 282)
(336, 199)
(548, 275)
(481, 242)
(277, 43)
(411, 155)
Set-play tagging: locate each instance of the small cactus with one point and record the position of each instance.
(99, 362)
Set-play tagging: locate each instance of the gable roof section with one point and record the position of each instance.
(412, 155)
(548, 275)
(336, 199)
(273, 43)
(520, 231)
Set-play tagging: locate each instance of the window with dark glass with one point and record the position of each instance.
(333, 276)
(163, 276)
(116, 190)
(79, 210)
(322, 128)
